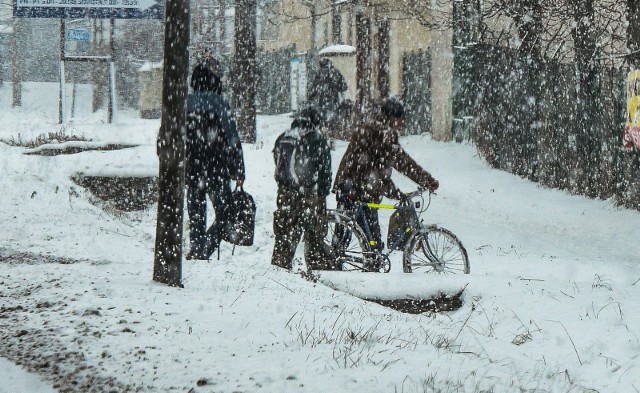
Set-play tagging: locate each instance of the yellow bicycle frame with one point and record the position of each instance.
(380, 206)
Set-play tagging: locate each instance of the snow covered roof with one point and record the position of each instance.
(337, 50)
(148, 66)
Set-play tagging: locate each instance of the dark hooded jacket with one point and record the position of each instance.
(213, 143)
(326, 86)
(206, 76)
(365, 170)
(316, 148)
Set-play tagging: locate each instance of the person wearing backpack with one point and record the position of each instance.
(303, 175)
(213, 157)
(364, 173)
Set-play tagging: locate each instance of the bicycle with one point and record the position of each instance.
(427, 248)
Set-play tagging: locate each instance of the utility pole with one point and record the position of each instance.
(167, 268)
(244, 91)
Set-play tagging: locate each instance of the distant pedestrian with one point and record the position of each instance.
(213, 157)
(303, 175)
(326, 89)
(206, 68)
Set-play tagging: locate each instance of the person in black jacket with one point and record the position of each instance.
(213, 157)
(202, 71)
(303, 175)
(325, 91)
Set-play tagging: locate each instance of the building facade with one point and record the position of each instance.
(384, 36)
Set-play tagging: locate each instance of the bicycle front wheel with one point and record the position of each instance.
(347, 241)
(435, 250)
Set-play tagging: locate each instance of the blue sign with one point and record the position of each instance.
(78, 35)
(96, 9)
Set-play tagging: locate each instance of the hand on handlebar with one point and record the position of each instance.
(346, 195)
(433, 186)
(431, 189)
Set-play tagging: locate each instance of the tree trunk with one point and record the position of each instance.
(384, 84)
(530, 28)
(244, 91)
(98, 69)
(632, 158)
(466, 17)
(363, 67)
(587, 140)
(167, 267)
(16, 60)
(336, 24)
(313, 27)
(633, 33)
(222, 27)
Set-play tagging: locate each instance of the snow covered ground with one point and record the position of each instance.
(550, 304)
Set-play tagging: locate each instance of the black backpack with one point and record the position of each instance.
(294, 166)
(241, 219)
(402, 223)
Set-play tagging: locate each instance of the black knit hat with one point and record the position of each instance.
(308, 117)
(204, 79)
(393, 107)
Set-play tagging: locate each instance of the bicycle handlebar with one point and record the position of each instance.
(417, 192)
(406, 198)
(414, 194)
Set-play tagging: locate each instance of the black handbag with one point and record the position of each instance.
(241, 222)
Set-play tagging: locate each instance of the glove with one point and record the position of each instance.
(433, 185)
(345, 192)
(398, 194)
(350, 195)
(239, 182)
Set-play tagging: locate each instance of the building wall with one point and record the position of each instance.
(293, 26)
(442, 80)
(347, 66)
(441, 85)
(406, 36)
(38, 53)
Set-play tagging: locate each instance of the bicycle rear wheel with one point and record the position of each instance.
(435, 250)
(347, 241)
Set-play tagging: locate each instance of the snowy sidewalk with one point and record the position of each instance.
(549, 304)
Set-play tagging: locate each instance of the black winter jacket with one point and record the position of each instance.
(213, 143)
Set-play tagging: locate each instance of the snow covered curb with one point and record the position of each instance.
(381, 286)
(71, 147)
